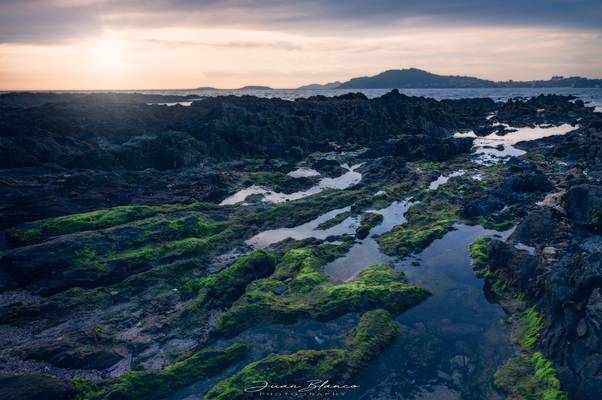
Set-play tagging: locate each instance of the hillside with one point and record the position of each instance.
(419, 79)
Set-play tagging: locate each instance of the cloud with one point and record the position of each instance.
(233, 44)
(54, 44)
(37, 21)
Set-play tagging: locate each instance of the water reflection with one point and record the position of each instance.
(366, 252)
(453, 342)
(280, 339)
(307, 230)
(494, 148)
(442, 180)
(303, 172)
(347, 180)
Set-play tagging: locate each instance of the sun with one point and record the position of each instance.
(107, 53)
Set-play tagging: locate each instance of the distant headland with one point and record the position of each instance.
(417, 78)
(414, 78)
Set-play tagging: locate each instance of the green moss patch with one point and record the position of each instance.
(374, 332)
(336, 220)
(298, 289)
(145, 385)
(425, 223)
(38, 231)
(219, 290)
(529, 375)
(368, 221)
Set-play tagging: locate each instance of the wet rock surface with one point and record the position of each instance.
(564, 276)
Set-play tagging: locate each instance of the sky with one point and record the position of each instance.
(171, 44)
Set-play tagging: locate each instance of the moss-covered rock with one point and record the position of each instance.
(528, 375)
(99, 258)
(368, 221)
(478, 253)
(143, 385)
(374, 332)
(35, 232)
(279, 181)
(219, 290)
(310, 293)
(424, 225)
(336, 220)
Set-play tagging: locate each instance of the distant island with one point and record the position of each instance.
(255, 87)
(314, 86)
(413, 78)
(248, 87)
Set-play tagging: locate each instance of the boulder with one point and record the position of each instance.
(583, 204)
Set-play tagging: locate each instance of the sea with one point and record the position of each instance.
(591, 96)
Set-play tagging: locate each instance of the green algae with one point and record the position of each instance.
(38, 231)
(426, 221)
(310, 293)
(529, 375)
(533, 325)
(368, 221)
(88, 268)
(219, 290)
(373, 333)
(336, 220)
(191, 246)
(478, 252)
(160, 384)
(435, 211)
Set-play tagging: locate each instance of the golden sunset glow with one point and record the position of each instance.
(107, 53)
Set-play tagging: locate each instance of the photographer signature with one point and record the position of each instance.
(312, 385)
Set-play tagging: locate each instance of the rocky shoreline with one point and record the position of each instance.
(119, 266)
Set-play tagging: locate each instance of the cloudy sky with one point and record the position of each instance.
(134, 44)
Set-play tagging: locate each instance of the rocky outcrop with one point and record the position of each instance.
(583, 204)
(543, 109)
(517, 269)
(40, 387)
(74, 153)
(564, 274)
(522, 184)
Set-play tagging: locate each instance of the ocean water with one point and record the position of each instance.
(592, 96)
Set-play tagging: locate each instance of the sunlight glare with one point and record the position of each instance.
(107, 53)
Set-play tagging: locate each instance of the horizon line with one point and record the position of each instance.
(296, 88)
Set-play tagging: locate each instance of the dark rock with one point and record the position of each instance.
(278, 290)
(101, 150)
(537, 227)
(382, 168)
(518, 268)
(69, 354)
(557, 110)
(584, 206)
(527, 182)
(35, 387)
(484, 130)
